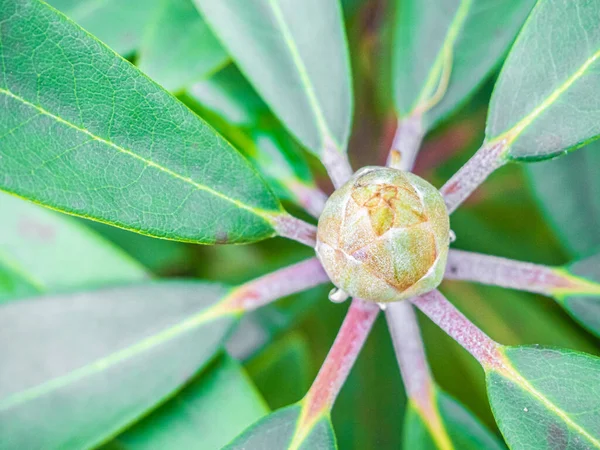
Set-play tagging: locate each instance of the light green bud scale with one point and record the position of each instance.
(384, 235)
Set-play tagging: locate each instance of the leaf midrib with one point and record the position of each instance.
(515, 131)
(267, 215)
(214, 312)
(303, 73)
(509, 372)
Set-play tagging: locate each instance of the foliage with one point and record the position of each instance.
(164, 124)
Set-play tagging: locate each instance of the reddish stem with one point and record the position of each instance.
(512, 274)
(337, 164)
(406, 143)
(292, 228)
(270, 287)
(340, 359)
(472, 174)
(311, 198)
(457, 326)
(410, 352)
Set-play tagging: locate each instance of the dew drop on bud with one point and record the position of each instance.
(384, 236)
(337, 295)
(452, 236)
(382, 306)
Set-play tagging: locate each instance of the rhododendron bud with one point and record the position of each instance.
(384, 235)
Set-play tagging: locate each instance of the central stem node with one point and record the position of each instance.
(384, 235)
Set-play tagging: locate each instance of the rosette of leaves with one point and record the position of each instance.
(213, 138)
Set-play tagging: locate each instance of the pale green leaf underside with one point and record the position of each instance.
(563, 410)
(470, 36)
(81, 367)
(546, 99)
(83, 131)
(249, 124)
(464, 430)
(295, 55)
(210, 411)
(178, 48)
(569, 188)
(276, 431)
(119, 24)
(51, 253)
(585, 309)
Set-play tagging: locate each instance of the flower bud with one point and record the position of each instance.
(384, 235)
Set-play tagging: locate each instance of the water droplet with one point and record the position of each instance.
(382, 306)
(525, 409)
(452, 236)
(336, 295)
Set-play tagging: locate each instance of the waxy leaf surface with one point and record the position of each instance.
(50, 252)
(547, 398)
(178, 47)
(206, 414)
(444, 49)
(277, 431)
(569, 192)
(461, 429)
(546, 99)
(120, 25)
(77, 369)
(85, 132)
(295, 55)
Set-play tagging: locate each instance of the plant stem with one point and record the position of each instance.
(293, 228)
(340, 359)
(406, 143)
(487, 159)
(311, 198)
(512, 274)
(336, 162)
(458, 327)
(418, 382)
(289, 280)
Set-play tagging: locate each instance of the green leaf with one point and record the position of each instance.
(584, 308)
(51, 253)
(462, 430)
(547, 398)
(85, 132)
(118, 24)
(232, 106)
(444, 49)
(82, 367)
(277, 430)
(209, 412)
(569, 188)
(289, 356)
(178, 47)
(298, 62)
(545, 101)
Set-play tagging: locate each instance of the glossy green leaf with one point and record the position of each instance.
(239, 114)
(568, 190)
(52, 253)
(547, 398)
(178, 47)
(118, 24)
(546, 99)
(85, 132)
(584, 308)
(462, 430)
(210, 411)
(444, 49)
(277, 430)
(295, 55)
(81, 367)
